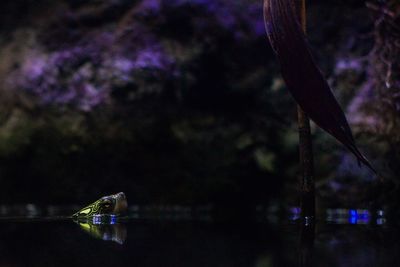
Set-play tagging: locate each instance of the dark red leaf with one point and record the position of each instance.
(302, 76)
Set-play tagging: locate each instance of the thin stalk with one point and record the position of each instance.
(305, 144)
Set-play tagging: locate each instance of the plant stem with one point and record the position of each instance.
(305, 144)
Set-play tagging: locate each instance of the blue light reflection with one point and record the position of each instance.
(353, 216)
(104, 219)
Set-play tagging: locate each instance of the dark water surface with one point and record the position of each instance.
(57, 241)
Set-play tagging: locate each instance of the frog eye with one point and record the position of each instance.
(106, 203)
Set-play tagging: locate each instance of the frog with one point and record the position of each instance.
(112, 205)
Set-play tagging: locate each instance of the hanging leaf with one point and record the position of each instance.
(302, 76)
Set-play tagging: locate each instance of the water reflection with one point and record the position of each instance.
(345, 216)
(107, 232)
(351, 237)
(105, 227)
(355, 216)
(306, 246)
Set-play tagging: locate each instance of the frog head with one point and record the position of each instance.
(113, 205)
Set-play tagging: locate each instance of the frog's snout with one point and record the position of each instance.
(121, 204)
(120, 195)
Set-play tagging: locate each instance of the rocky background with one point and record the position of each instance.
(178, 101)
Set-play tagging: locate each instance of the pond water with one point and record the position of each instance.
(348, 238)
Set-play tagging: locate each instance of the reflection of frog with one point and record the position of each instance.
(109, 205)
(108, 232)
